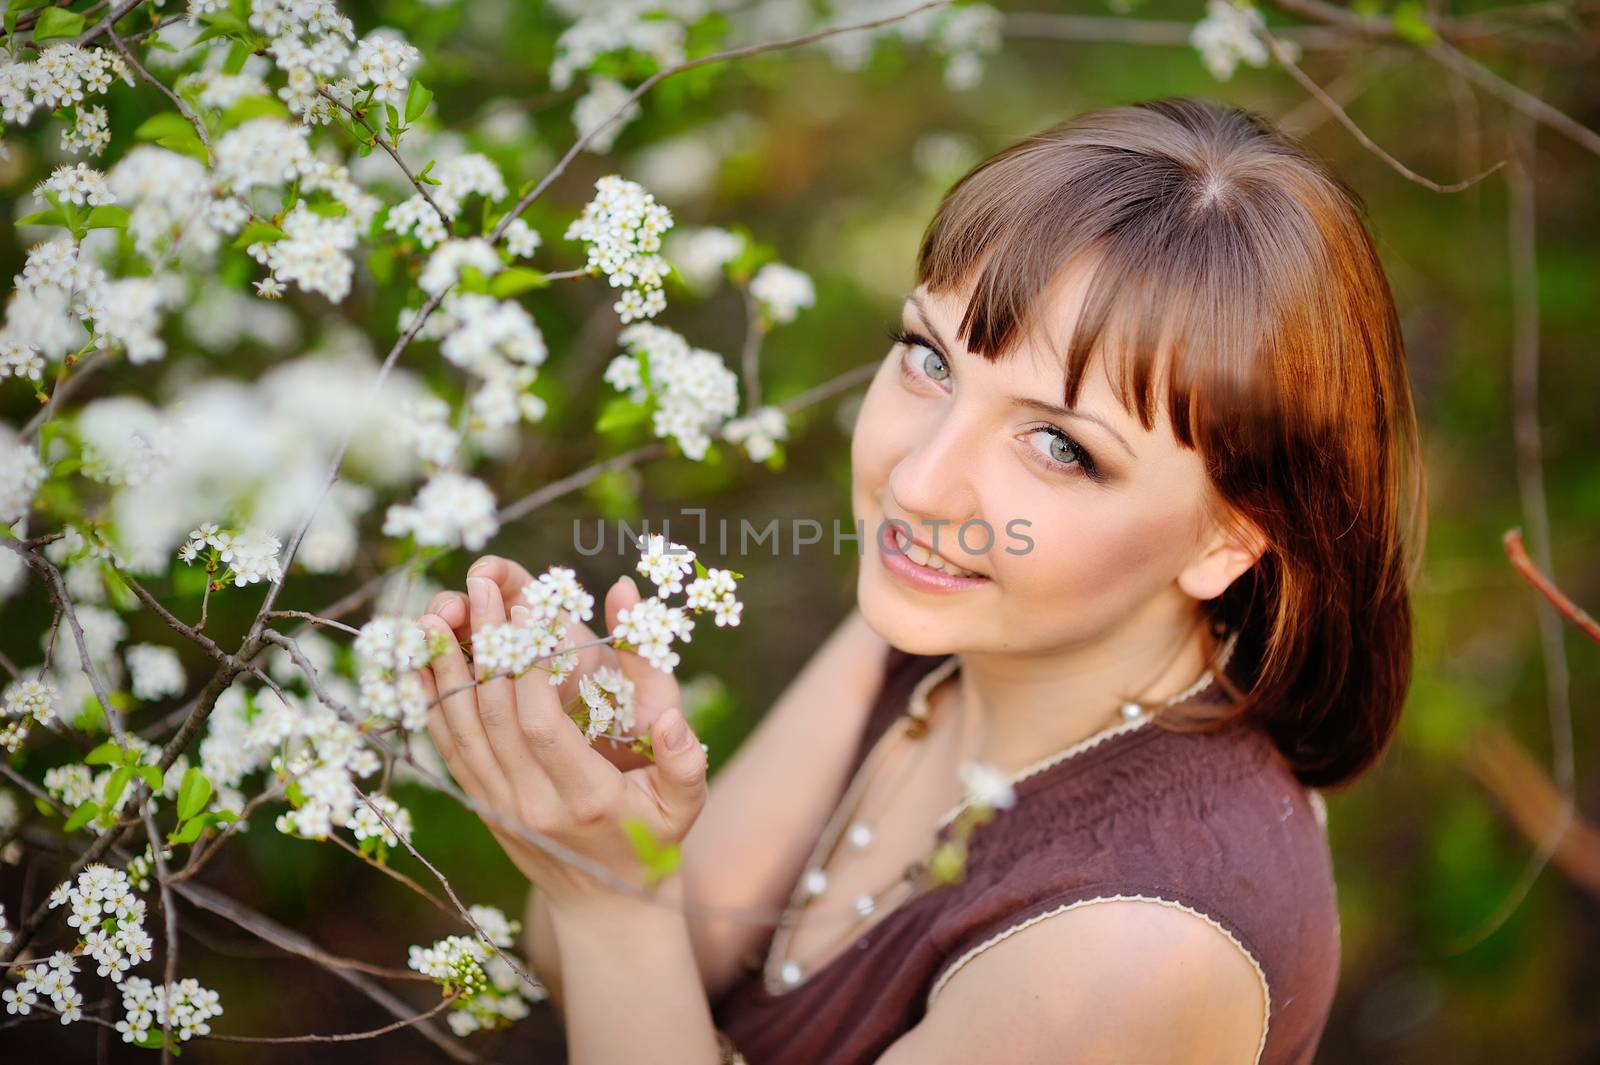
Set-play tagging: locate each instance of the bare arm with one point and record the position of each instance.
(764, 807)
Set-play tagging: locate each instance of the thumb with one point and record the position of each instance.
(678, 774)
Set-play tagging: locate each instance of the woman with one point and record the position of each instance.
(1147, 427)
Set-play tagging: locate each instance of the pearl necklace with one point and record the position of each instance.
(782, 973)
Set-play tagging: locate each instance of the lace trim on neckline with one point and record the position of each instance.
(918, 706)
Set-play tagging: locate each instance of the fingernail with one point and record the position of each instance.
(478, 590)
(632, 585)
(676, 732)
(519, 614)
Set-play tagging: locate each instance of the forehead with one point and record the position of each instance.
(1038, 354)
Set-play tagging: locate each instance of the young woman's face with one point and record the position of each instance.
(1092, 518)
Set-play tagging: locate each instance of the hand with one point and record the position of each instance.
(654, 689)
(514, 750)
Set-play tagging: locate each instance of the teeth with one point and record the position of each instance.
(923, 557)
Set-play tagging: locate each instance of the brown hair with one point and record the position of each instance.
(1205, 226)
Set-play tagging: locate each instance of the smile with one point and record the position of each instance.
(921, 568)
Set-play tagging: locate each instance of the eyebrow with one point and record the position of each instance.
(1026, 401)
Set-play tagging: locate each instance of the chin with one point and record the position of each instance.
(889, 612)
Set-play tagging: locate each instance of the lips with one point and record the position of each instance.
(923, 556)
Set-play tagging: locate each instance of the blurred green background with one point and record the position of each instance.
(839, 171)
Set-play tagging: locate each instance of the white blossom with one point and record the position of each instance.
(593, 112)
(699, 254)
(623, 226)
(156, 671)
(1227, 36)
(758, 432)
(782, 291)
(651, 626)
(694, 390)
(444, 266)
(985, 785)
(450, 509)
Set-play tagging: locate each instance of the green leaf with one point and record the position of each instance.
(153, 777)
(107, 216)
(189, 831)
(52, 217)
(193, 793)
(1410, 22)
(659, 860)
(422, 175)
(327, 208)
(253, 107)
(473, 280)
(295, 794)
(43, 807)
(57, 22)
(258, 233)
(116, 786)
(620, 412)
(105, 754)
(417, 99)
(165, 124)
(517, 280)
(394, 122)
(236, 58)
(81, 816)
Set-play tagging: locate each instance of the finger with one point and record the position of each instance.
(678, 775)
(452, 607)
(654, 689)
(583, 780)
(509, 576)
(440, 733)
(498, 705)
(459, 710)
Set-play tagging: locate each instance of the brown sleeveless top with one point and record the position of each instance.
(1213, 823)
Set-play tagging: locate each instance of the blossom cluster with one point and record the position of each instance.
(1227, 36)
(782, 291)
(109, 918)
(61, 76)
(451, 509)
(693, 390)
(650, 626)
(52, 978)
(251, 554)
(389, 652)
(490, 993)
(537, 629)
(623, 226)
(185, 1006)
(26, 701)
(458, 177)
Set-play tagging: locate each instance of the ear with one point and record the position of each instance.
(1232, 547)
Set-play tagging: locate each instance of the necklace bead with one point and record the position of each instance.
(865, 904)
(860, 834)
(816, 882)
(790, 973)
(1132, 711)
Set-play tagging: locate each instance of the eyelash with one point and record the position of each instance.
(1084, 463)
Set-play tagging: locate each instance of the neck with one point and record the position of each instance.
(1023, 708)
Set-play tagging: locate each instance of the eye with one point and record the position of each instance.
(1063, 453)
(932, 364)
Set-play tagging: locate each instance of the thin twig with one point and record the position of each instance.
(344, 1037)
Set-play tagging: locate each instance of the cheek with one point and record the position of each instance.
(875, 445)
(1091, 545)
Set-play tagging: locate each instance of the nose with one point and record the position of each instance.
(936, 479)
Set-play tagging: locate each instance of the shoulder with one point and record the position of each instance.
(1133, 961)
